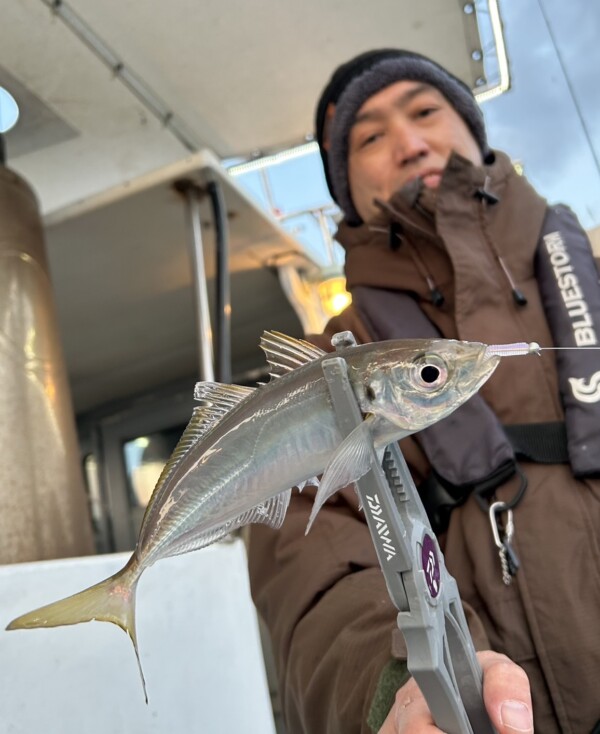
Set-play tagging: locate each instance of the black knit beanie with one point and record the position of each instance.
(362, 77)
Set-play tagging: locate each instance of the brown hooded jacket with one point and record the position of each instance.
(323, 596)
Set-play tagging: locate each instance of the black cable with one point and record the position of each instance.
(223, 286)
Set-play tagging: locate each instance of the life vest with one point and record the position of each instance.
(470, 450)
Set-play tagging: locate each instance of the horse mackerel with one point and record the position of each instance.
(244, 449)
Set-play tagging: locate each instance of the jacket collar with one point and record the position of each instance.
(406, 245)
(414, 207)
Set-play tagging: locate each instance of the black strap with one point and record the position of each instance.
(440, 497)
(438, 502)
(543, 443)
(596, 729)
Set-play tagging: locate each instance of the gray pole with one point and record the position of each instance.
(203, 327)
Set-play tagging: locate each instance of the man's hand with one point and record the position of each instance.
(505, 692)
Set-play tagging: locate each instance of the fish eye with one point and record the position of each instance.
(430, 372)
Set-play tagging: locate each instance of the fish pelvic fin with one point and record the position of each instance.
(111, 600)
(350, 462)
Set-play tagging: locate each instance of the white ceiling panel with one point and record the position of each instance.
(239, 76)
(245, 75)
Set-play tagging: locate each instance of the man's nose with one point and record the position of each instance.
(409, 144)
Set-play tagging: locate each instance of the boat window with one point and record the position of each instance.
(145, 457)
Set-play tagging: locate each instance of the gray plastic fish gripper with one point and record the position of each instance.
(441, 656)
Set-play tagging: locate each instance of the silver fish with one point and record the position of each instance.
(245, 447)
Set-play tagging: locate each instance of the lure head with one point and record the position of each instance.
(414, 383)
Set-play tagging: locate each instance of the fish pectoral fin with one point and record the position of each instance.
(360, 504)
(379, 454)
(350, 462)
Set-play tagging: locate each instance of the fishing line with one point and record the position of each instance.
(522, 348)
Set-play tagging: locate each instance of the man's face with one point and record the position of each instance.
(406, 131)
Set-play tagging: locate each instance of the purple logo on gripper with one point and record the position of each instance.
(431, 565)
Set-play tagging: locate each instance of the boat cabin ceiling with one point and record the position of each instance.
(120, 102)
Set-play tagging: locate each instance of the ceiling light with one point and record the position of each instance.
(9, 111)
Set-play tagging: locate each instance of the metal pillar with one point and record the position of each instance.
(204, 330)
(43, 506)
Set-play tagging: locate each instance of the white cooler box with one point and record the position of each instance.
(199, 645)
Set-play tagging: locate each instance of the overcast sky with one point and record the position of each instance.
(550, 118)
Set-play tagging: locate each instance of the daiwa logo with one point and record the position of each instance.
(586, 391)
(381, 525)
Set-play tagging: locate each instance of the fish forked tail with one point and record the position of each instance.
(112, 600)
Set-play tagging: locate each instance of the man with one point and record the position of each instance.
(443, 237)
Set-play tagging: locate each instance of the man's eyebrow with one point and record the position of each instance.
(402, 101)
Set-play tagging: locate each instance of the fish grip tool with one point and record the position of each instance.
(441, 656)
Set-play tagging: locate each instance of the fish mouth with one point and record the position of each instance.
(491, 355)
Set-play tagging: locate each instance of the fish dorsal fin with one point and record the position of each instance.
(218, 400)
(219, 397)
(284, 353)
(271, 512)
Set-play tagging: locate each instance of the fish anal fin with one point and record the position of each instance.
(271, 512)
(350, 462)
